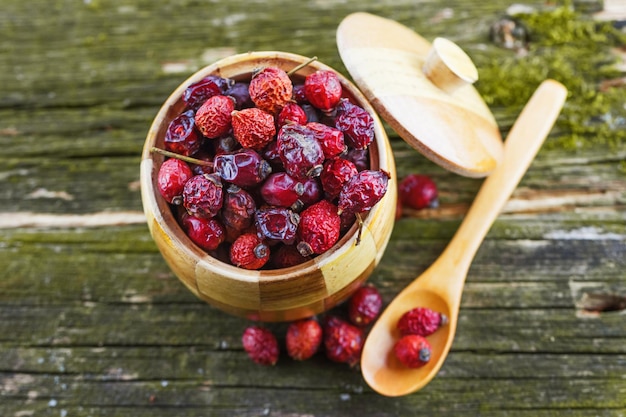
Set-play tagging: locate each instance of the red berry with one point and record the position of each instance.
(331, 139)
(286, 256)
(303, 339)
(323, 89)
(171, 179)
(291, 113)
(197, 93)
(203, 196)
(244, 168)
(343, 341)
(206, 233)
(261, 345)
(361, 192)
(364, 305)
(298, 94)
(412, 350)
(418, 191)
(312, 192)
(248, 251)
(181, 136)
(238, 208)
(270, 89)
(359, 157)
(253, 128)
(356, 124)
(421, 321)
(277, 224)
(213, 118)
(319, 228)
(281, 189)
(335, 174)
(300, 152)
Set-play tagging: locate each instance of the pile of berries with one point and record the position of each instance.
(269, 173)
(340, 336)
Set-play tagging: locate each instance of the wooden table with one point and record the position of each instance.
(93, 323)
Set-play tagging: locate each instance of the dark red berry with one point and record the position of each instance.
(303, 339)
(323, 89)
(421, 321)
(330, 139)
(298, 94)
(418, 192)
(239, 92)
(364, 305)
(291, 113)
(277, 224)
(197, 93)
(281, 189)
(270, 89)
(300, 152)
(311, 112)
(319, 228)
(253, 128)
(361, 192)
(206, 233)
(359, 157)
(244, 168)
(412, 351)
(356, 124)
(171, 179)
(198, 169)
(271, 155)
(343, 342)
(181, 136)
(203, 196)
(238, 208)
(312, 192)
(213, 118)
(286, 256)
(261, 345)
(248, 251)
(336, 173)
(225, 144)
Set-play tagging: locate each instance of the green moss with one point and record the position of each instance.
(577, 51)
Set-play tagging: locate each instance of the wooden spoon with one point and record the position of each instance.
(441, 285)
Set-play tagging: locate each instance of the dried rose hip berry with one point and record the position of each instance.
(364, 305)
(277, 224)
(298, 94)
(312, 192)
(319, 228)
(225, 144)
(261, 345)
(303, 339)
(253, 128)
(213, 118)
(203, 196)
(291, 113)
(206, 233)
(197, 93)
(238, 208)
(171, 179)
(287, 255)
(323, 89)
(248, 251)
(181, 136)
(359, 157)
(281, 189)
(356, 124)
(413, 351)
(421, 321)
(361, 192)
(270, 89)
(335, 174)
(244, 168)
(206, 167)
(331, 139)
(418, 192)
(239, 92)
(343, 342)
(300, 152)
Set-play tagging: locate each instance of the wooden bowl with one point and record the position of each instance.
(279, 294)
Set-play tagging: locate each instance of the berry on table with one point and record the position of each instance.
(319, 228)
(171, 179)
(418, 191)
(303, 339)
(253, 128)
(181, 136)
(361, 192)
(413, 351)
(203, 195)
(323, 89)
(356, 124)
(300, 152)
(270, 89)
(249, 251)
(343, 342)
(206, 233)
(364, 305)
(421, 321)
(261, 345)
(213, 118)
(244, 168)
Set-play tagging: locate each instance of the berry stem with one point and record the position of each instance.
(181, 157)
(299, 67)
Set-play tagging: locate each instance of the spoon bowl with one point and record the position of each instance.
(441, 285)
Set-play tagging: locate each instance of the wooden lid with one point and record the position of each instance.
(423, 91)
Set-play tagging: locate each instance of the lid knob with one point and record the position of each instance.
(448, 66)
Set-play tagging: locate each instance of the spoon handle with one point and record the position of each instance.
(522, 144)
